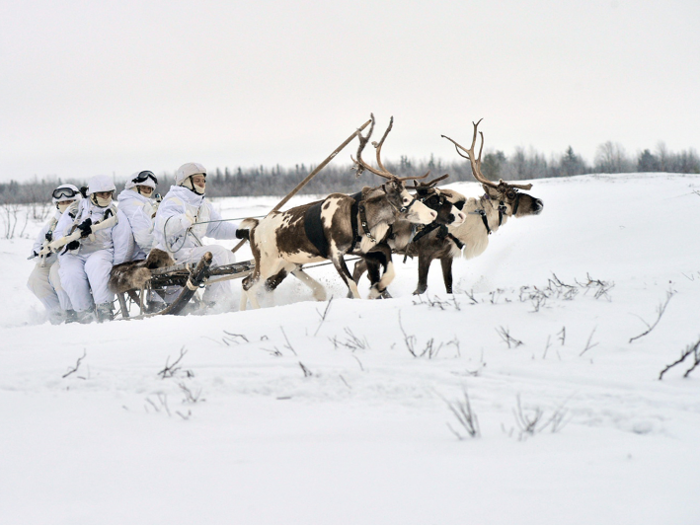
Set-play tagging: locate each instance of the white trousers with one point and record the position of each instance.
(220, 256)
(45, 283)
(82, 272)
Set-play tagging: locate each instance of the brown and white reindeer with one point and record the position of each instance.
(283, 242)
(485, 215)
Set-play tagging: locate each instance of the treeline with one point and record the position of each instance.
(521, 165)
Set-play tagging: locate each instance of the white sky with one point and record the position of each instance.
(119, 86)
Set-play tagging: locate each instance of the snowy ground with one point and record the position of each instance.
(278, 416)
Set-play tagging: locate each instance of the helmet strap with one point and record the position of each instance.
(191, 186)
(99, 201)
(63, 207)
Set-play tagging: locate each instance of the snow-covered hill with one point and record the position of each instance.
(340, 412)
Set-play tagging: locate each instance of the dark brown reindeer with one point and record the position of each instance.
(283, 242)
(447, 203)
(485, 215)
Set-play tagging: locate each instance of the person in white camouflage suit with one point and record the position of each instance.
(86, 263)
(139, 205)
(44, 281)
(184, 217)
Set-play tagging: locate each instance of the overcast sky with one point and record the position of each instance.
(114, 87)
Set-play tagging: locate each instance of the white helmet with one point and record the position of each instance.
(100, 183)
(187, 170)
(65, 192)
(142, 178)
(184, 172)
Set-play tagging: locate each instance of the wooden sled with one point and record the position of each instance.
(146, 284)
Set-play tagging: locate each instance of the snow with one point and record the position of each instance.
(299, 419)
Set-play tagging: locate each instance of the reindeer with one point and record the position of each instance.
(283, 242)
(448, 205)
(485, 215)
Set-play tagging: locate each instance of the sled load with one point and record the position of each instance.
(149, 284)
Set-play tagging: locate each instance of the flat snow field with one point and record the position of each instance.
(343, 412)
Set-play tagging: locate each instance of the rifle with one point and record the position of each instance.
(56, 245)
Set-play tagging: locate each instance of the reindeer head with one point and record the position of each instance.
(511, 201)
(505, 195)
(447, 203)
(406, 206)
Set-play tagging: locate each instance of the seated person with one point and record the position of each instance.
(86, 263)
(138, 204)
(184, 218)
(44, 281)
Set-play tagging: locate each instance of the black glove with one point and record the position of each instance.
(85, 228)
(73, 245)
(242, 234)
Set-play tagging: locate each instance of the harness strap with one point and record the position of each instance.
(425, 231)
(484, 219)
(363, 223)
(353, 219)
(517, 203)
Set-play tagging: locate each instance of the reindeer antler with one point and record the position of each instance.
(476, 161)
(473, 160)
(430, 183)
(361, 165)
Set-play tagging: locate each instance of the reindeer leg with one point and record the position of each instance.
(342, 269)
(359, 269)
(423, 269)
(249, 287)
(380, 257)
(446, 263)
(318, 290)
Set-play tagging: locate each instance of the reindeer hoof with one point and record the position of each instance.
(385, 295)
(420, 290)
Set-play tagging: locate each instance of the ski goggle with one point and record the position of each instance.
(64, 193)
(143, 176)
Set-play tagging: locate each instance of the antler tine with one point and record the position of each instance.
(520, 186)
(378, 146)
(473, 160)
(360, 164)
(435, 181)
(416, 177)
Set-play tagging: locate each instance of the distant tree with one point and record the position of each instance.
(569, 164)
(611, 158)
(492, 164)
(525, 165)
(647, 161)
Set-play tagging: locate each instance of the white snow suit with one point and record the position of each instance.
(139, 211)
(177, 231)
(44, 281)
(88, 267)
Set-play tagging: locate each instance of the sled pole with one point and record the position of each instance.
(311, 175)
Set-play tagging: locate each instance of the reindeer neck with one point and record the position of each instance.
(493, 216)
(376, 215)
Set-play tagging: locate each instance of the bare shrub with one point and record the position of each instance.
(659, 311)
(692, 351)
(533, 421)
(509, 340)
(351, 341)
(170, 370)
(462, 410)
